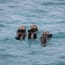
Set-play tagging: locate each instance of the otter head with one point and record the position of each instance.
(33, 27)
(45, 33)
(21, 27)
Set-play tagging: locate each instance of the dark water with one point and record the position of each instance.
(48, 15)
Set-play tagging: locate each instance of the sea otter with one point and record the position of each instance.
(21, 33)
(32, 32)
(45, 36)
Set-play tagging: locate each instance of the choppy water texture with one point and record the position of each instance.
(48, 15)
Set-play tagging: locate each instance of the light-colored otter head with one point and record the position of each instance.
(33, 27)
(22, 27)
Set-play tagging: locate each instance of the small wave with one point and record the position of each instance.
(62, 57)
(59, 35)
(1, 49)
(50, 3)
(6, 55)
(13, 6)
(6, 1)
(1, 25)
(56, 63)
(1, 9)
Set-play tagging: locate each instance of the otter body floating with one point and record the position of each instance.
(21, 33)
(32, 32)
(45, 37)
(20, 36)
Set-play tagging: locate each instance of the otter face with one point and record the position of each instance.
(21, 27)
(34, 27)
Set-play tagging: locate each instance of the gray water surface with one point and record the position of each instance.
(49, 15)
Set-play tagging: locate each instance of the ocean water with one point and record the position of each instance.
(48, 15)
